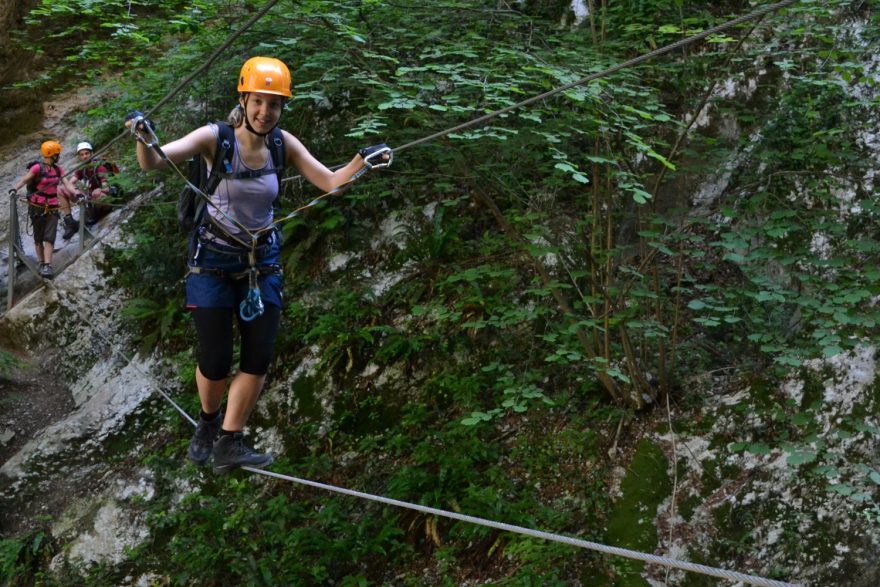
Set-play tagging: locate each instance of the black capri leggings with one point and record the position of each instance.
(214, 329)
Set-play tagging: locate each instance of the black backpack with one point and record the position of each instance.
(191, 205)
(32, 184)
(110, 167)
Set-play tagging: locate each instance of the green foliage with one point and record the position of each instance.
(518, 393)
(544, 258)
(279, 541)
(804, 262)
(795, 430)
(152, 270)
(7, 363)
(23, 559)
(159, 318)
(87, 39)
(343, 326)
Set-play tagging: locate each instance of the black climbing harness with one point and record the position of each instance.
(204, 238)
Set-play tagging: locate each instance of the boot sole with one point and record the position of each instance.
(197, 462)
(223, 469)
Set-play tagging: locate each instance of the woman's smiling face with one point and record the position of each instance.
(263, 110)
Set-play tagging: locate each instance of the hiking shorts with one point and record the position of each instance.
(215, 286)
(45, 225)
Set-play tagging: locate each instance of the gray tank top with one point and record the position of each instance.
(248, 201)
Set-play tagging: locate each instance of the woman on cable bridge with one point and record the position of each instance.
(233, 254)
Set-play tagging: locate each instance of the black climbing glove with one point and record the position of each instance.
(140, 121)
(374, 155)
(367, 151)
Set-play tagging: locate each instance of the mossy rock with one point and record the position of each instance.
(631, 519)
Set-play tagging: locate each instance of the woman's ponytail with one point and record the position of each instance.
(236, 117)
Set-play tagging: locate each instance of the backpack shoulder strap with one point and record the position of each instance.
(225, 148)
(276, 147)
(220, 168)
(222, 165)
(44, 172)
(35, 180)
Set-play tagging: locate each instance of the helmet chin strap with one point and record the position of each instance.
(247, 125)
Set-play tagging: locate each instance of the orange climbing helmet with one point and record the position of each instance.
(50, 149)
(265, 74)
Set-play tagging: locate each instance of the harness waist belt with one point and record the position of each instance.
(41, 199)
(224, 237)
(263, 271)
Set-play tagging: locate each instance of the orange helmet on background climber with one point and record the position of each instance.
(265, 74)
(50, 148)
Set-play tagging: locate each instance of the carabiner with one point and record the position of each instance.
(374, 160)
(252, 306)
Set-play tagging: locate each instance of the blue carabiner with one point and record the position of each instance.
(252, 306)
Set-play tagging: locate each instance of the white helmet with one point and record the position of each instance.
(84, 145)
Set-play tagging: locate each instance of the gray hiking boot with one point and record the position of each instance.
(70, 227)
(46, 271)
(230, 452)
(203, 438)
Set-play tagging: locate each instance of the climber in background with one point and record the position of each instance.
(45, 180)
(94, 175)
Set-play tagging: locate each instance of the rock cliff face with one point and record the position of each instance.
(66, 461)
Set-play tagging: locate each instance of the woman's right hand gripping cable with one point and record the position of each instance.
(139, 125)
(375, 157)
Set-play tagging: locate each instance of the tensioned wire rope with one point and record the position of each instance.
(648, 558)
(551, 536)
